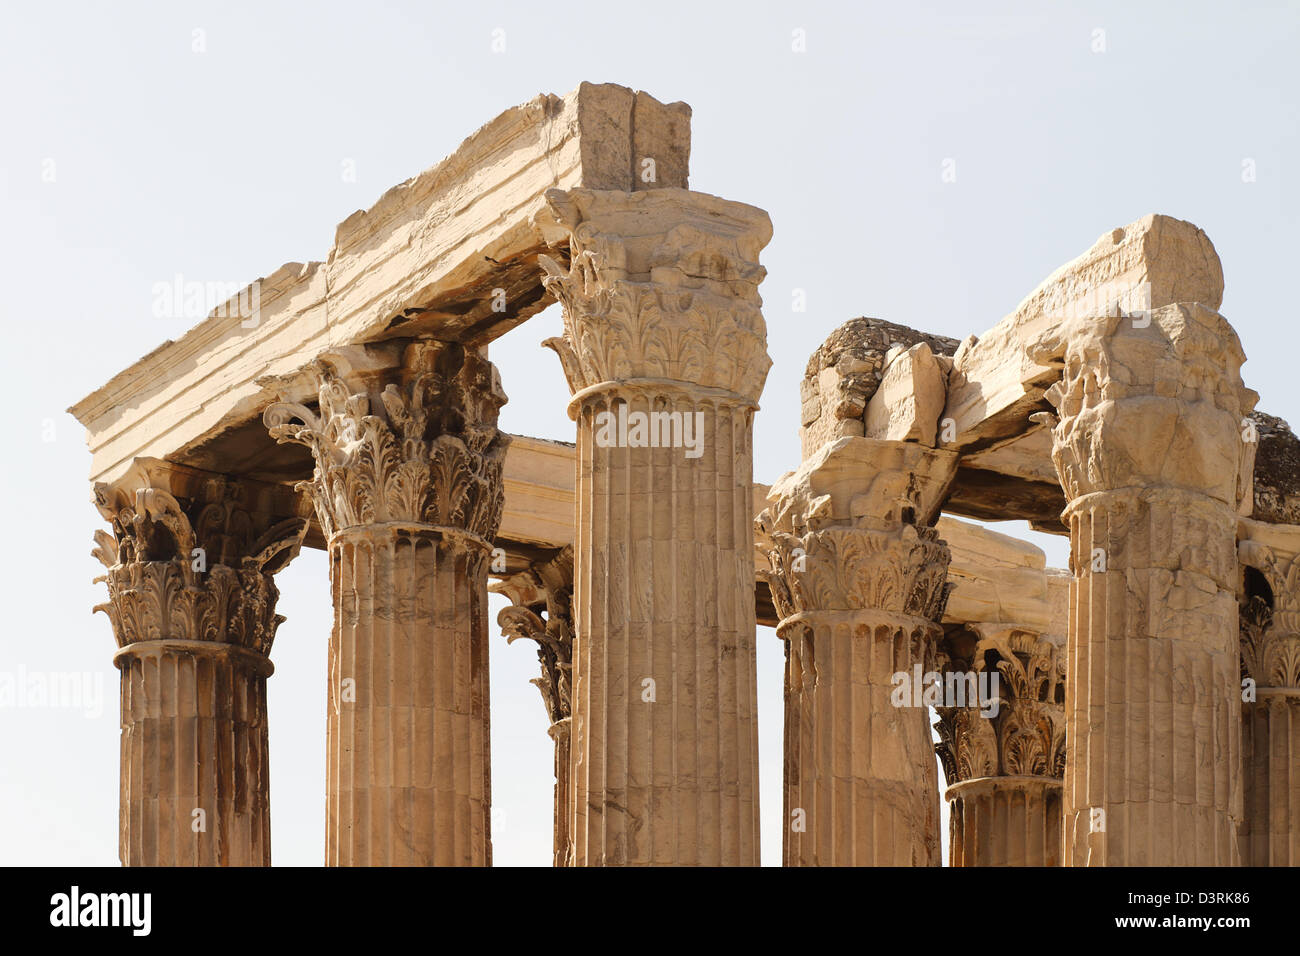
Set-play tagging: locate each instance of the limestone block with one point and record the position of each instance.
(539, 483)
(897, 480)
(998, 378)
(910, 397)
(845, 372)
(1058, 603)
(994, 577)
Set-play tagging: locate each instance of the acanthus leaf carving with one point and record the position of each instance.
(675, 298)
(193, 571)
(434, 456)
(877, 564)
(1025, 734)
(1270, 632)
(544, 587)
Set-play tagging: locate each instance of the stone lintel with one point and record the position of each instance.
(998, 381)
(424, 260)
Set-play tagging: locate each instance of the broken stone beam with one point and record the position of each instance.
(996, 384)
(911, 395)
(425, 260)
(846, 371)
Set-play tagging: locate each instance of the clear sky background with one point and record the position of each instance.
(126, 157)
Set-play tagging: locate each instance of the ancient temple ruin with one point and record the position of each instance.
(1141, 707)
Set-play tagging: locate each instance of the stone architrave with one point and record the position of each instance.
(907, 405)
(408, 490)
(664, 350)
(547, 588)
(998, 379)
(1003, 746)
(1270, 654)
(1150, 454)
(450, 253)
(859, 578)
(192, 602)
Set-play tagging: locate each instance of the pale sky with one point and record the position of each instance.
(127, 156)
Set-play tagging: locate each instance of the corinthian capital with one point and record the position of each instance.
(661, 285)
(903, 569)
(545, 587)
(1270, 622)
(851, 529)
(1151, 400)
(1019, 730)
(414, 444)
(191, 556)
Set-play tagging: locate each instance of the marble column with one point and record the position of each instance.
(408, 490)
(1270, 654)
(192, 604)
(664, 349)
(546, 588)
(1002, 744)
(859, 577)
(1150, 453)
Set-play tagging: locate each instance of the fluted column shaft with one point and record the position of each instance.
(408, 490)
(1154, 727)
(1005, 821)
(547, 587)
(665, 353)
(665, 691)
(408, 745)
(562, 840)
(195, 783)
(192, 603)
(859, 578)
(1270, 656)
(1151, 456)
(1271, 751)
(1002, 744)
(861, 786)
